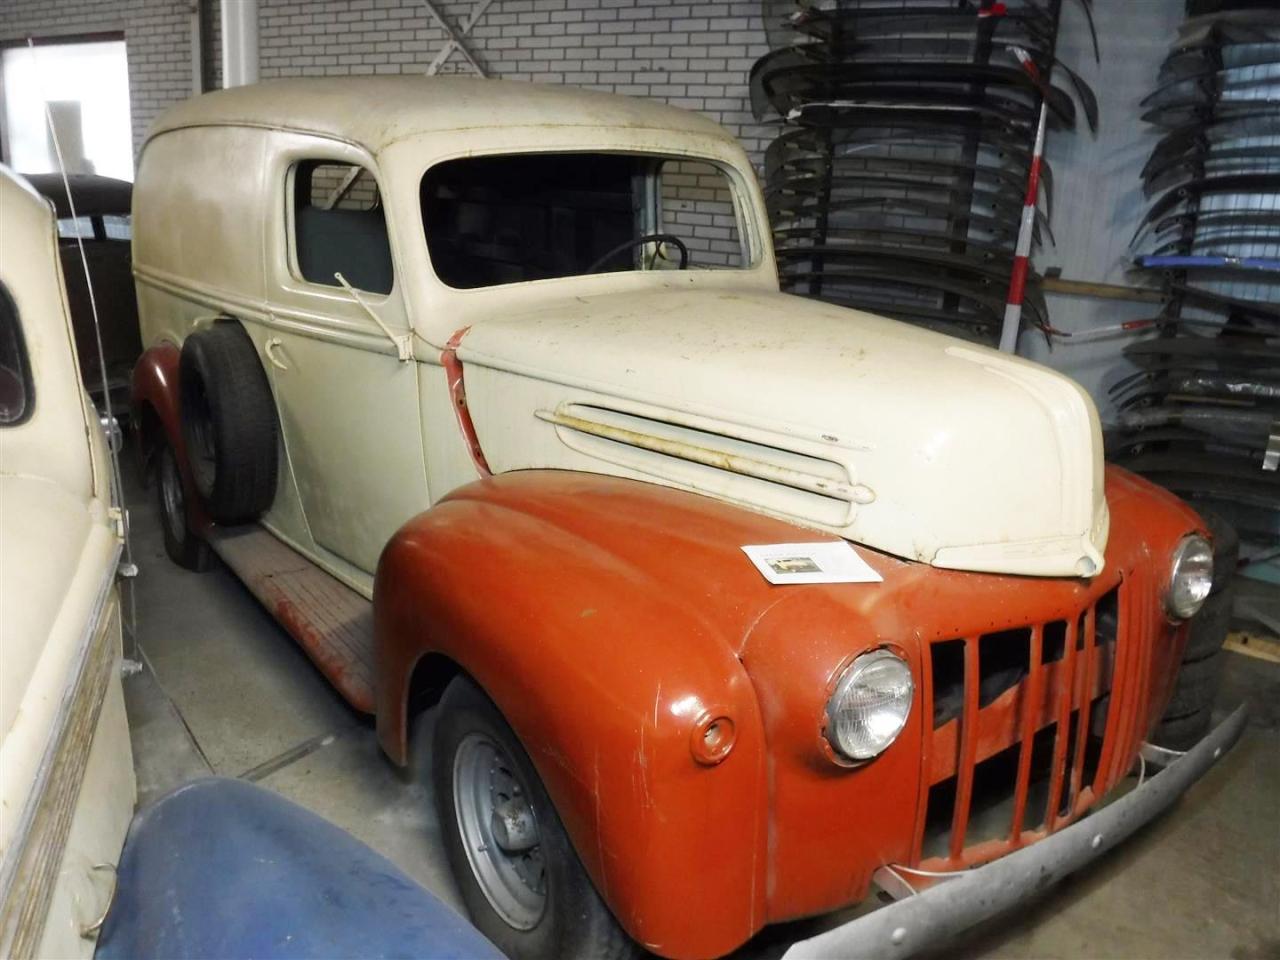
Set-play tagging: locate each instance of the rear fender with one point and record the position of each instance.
(155, 399)
(609, 683)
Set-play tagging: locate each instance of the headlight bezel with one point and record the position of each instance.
(1193, 557)
(846, 678)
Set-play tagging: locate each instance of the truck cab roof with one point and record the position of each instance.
(374, 112)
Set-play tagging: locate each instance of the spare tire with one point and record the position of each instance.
(228, 423)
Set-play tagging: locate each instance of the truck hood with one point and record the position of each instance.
(907, 441)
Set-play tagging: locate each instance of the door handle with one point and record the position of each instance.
(274, 344)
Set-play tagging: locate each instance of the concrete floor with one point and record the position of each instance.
(225, 691)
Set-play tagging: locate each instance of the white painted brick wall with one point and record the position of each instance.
(693, 55)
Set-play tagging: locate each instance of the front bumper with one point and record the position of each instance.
(952, 905)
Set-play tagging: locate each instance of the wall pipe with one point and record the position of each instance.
(239, 42)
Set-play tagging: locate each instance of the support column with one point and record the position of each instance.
(239, 42)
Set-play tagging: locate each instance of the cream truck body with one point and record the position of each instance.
(466, 457)
(706, 379)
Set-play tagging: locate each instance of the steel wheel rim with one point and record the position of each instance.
(171, 500)
(485, 780)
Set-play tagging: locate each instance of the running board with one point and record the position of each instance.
(330, 621)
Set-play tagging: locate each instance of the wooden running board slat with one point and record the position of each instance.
(330, 621)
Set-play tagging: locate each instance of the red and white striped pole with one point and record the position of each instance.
(1022, 253)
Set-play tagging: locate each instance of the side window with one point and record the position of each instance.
(338, 226)
(697, 206)
(69, 229)
(117, 226)
(17, 394)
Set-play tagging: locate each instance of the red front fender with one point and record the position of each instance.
(605, 676)
(154, 390)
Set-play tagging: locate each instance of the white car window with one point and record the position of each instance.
(117, 226)
(69, 229)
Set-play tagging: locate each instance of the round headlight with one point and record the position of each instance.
(870, 705)
(1191, 577)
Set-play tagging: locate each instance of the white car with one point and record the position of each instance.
(66, 769)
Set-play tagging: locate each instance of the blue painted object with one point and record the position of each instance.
(223, 869)
(1175, 262)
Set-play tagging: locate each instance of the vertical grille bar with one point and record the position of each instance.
(1062, 733)
(928, 744)
(1123, 706)
(1140, 667)
(1084, 702)
(1120, 681)
(968, 748)
(1032, 691)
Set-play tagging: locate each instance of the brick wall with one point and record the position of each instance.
(211, 25)
(693, 55)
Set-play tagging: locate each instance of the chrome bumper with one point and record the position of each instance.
(950, 906)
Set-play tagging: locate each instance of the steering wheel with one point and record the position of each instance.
(647, 238)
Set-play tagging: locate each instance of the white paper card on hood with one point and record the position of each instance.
(828, 562)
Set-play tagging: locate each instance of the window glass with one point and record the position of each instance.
(507, 219)
(117, 226)
(16, 393)
(339, 227)
(697, 206)
(69, 229)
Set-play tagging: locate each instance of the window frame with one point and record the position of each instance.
(55, 40)
(749, 236)
(291, 225)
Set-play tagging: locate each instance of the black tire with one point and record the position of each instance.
(228, 423)
(1208, 629)
(1183, 733)
(180, 543)
(1196, 688)
(1188, 717)
(574, 921)
(1226, 549)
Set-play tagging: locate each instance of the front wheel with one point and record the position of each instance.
(519, 875)
(180, 543)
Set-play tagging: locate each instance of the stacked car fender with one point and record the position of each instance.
(899, 181)
(1202, 414)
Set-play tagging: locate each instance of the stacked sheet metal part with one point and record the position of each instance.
(899, 179)
(1202, 415)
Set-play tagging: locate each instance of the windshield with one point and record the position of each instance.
(506, 219)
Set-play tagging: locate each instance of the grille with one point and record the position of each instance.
(1031, 726)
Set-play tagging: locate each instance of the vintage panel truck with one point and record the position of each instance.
(482, 387)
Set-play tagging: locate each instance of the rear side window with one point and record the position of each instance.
(70, 229)
(338, 226)
(17, 395)
(117, 226)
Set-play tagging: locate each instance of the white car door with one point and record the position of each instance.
(348, 403)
